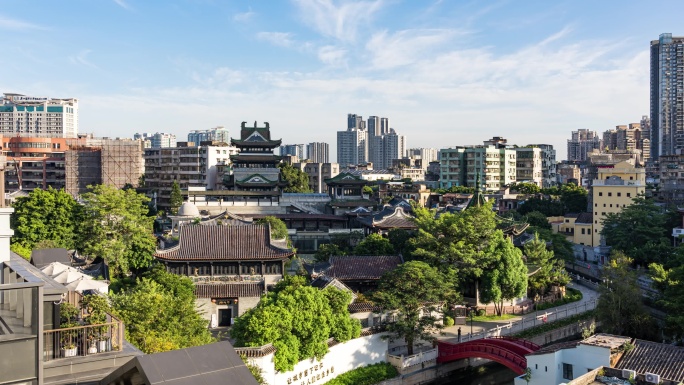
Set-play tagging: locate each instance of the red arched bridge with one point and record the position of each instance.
(508, 351)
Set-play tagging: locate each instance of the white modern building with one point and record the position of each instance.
(22, 115)
(157, 140)
(352, 147)
(318, 152)
(427, 155)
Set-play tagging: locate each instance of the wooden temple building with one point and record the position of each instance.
(232, 266)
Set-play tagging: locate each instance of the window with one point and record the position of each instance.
(582, 231)
(567, 371)
(610, 194)
(604, 205)
(600, 194)
(619, 194)
(603, 213)
(611, 205)
(629, 195)
(595, 204)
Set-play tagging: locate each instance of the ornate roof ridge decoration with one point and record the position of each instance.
(477, 199)
(224, 243)
(390, 217)
(260, 136)
(254, 178)
(345, 178)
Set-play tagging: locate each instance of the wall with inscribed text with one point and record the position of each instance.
(341, 358)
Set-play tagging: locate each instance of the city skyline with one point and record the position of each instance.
(447, 74)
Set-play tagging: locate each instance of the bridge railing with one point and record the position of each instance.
(402, 362)
(531, 320)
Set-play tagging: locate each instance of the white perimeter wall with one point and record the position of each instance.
(341, 358)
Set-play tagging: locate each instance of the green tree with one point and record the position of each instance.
(176, 199)
(506, 278)
(562, 248)
(537, 219)
(548, 207)
(417, 292)
(525, 188)
(669, 279)
(374, 244)
(45, 215)
(574, 198)
(327, 250)
(399, 238)
(368, 190)
(115, 226)
(542, 259)
(296, 179)
(620, 306)
(461, 242)
(639, 231)
(160, 314)
(277, 226)
(298, 320)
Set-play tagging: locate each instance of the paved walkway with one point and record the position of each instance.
(518, 324)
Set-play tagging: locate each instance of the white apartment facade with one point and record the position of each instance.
(42, 117)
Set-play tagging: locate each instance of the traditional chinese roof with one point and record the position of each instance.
(255, 137)
(361, 267)
(224, 243)
(351, 203)
(243, 158)
(651, 357)
(345, 178)
(478, 198)
(229, 290)
(362, 307)
(324, 281)
(389, 218)
(257, 180)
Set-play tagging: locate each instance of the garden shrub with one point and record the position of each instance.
(366, 375)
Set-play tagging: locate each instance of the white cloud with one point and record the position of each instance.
(340, 21)
(281, 39)
(406, 47)
(82, 58)
(16, 24)
(244, 17)
(123, 4)
(332, 56)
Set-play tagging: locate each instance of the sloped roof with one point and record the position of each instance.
(224, 243)
(665, 360)
(43, 257)
(216, 363)
(225, 290)
(584, 218)
(361, 267)
(351, 203)
(360, 307)
(344, 178)
(555, 347)
(390, 217)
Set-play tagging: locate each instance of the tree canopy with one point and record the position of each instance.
(669, 280)
(639, 230)
(115, 226)
(525, 188)
(45, 215)
(551, 270)
(176, 199)
(277, 226)
(327, 250)
(417, 292)
(298, 320)
(159, 313)
(374, 244)
(620, 307)
(296, 179)
(505, 278)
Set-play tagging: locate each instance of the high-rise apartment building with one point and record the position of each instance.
(318, 152)
(352, 147)
(667, 95)
(292, 150)
(373, 125)
(628, 138)
(427, 155)
(40, 117)
(216, 134)
(583, 142)
(157, 140)
(355, 121)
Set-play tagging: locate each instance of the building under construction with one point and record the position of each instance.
(71, 163)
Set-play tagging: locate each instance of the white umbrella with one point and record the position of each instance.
(55, 268)
(68, 276)
(84, 283)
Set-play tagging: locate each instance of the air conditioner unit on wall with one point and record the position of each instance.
(652, 378)
(627, 374)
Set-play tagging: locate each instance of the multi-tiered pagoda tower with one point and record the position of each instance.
(255, 167)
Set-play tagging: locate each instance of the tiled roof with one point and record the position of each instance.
(361, 307)
(651, 357)
(351, 203)
(389, 218)
(255, 352)
(584, 218)
(572, 215)
(226, 290)
(361, 267)
(224, 243)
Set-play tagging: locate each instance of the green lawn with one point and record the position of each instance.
(488, 318)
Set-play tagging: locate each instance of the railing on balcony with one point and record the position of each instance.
(83, 340)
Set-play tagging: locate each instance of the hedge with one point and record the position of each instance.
(571, 295)
(366, 375)
(543, 328)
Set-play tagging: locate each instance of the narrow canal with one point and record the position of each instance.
(489, 374)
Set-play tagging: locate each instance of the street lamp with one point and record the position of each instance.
(472, 310)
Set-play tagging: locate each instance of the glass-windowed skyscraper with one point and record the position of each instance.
(667, 95)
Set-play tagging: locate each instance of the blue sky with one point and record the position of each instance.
(446, 73)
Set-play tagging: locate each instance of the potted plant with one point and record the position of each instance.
(97, 307)
(68, 314)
